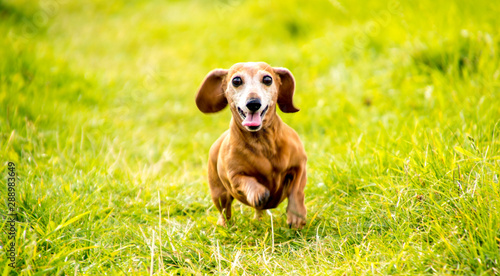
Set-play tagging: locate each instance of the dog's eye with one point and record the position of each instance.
(267, 80)
(237, 81)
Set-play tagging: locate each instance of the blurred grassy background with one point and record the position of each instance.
(399, 115)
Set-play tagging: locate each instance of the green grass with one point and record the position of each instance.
(400, 117)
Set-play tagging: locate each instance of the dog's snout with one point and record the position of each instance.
(254, 104)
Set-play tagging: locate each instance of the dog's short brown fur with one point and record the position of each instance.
(260, 160)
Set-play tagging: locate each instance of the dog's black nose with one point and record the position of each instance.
(254, 104)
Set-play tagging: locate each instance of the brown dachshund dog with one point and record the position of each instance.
(260, 160)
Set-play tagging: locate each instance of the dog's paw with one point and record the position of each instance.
(222, 221)
(295, 220)
(258, 214)
(258, 196)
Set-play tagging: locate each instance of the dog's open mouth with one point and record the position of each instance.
(252, 121)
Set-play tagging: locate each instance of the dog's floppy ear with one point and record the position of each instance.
(286, 90)
(210, 97)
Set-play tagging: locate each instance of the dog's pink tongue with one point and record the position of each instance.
(252, 120)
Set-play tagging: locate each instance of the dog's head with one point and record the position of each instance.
(251, 89)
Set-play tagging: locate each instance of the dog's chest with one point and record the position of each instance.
(270, 171)
(269, 162)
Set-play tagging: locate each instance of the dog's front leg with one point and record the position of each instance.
(256, 194)
(296, 209)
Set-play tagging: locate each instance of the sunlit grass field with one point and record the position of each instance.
(400, 117)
